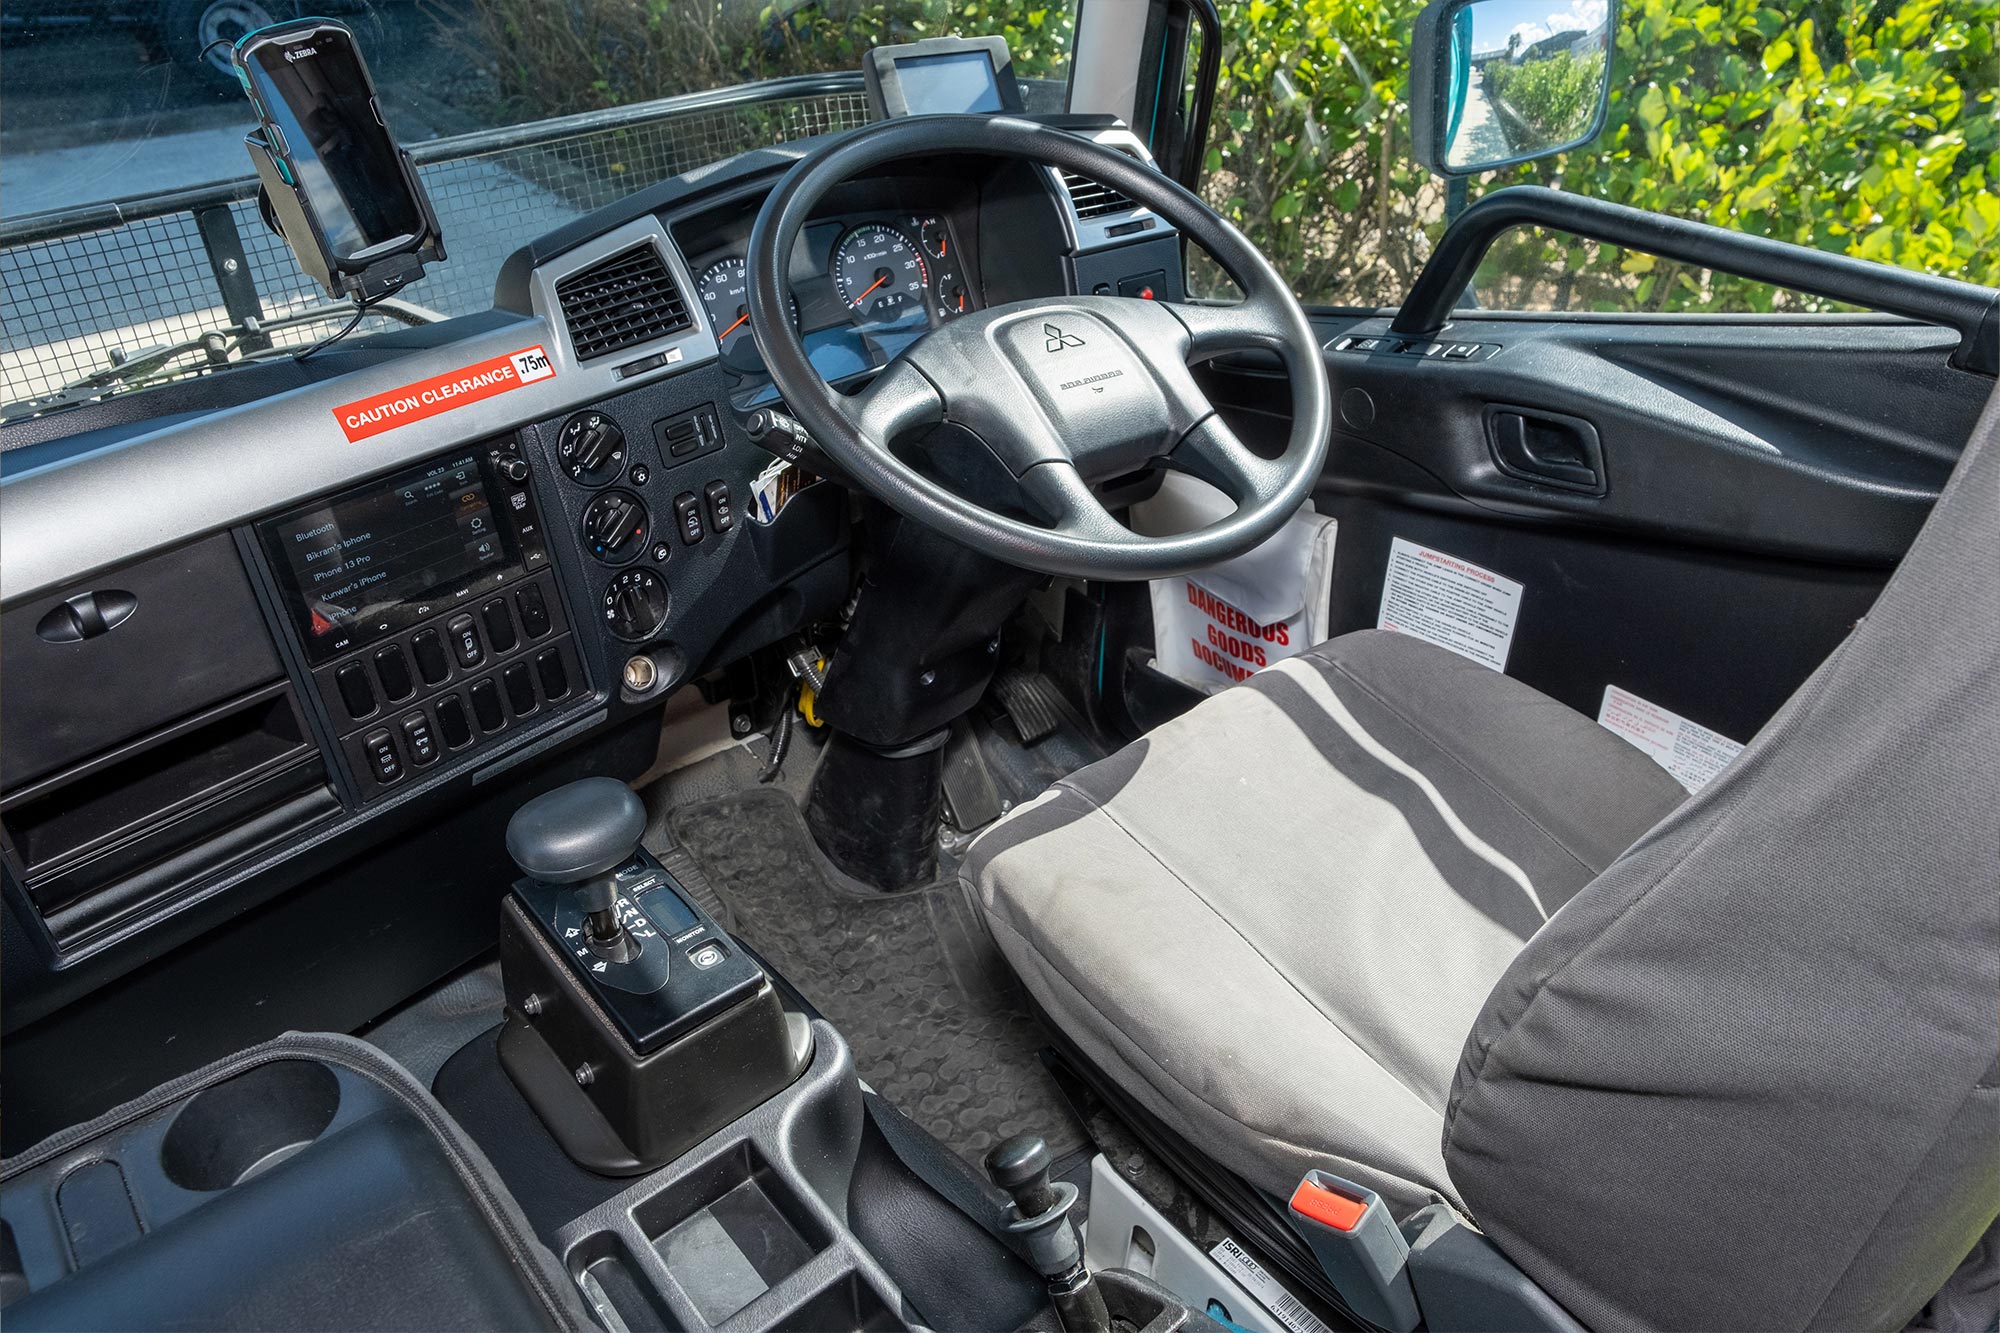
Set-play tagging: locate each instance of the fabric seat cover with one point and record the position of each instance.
(1745, 1074)
(1751, 1076)
(1276, 917)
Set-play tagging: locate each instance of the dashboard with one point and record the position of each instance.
(275, 673)
(865, 284)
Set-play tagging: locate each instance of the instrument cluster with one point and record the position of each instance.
(863, 287)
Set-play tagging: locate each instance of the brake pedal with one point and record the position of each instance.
(1032, 704)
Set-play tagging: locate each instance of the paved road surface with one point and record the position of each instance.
(93, 114)
(73, 140)
(1481, 137)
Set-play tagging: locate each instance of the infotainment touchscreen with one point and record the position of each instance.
(373, 560)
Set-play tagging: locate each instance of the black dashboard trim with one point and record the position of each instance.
(75, 506)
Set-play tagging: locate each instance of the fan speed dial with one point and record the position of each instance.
(635, 605)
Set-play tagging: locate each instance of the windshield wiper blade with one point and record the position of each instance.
(222, 348)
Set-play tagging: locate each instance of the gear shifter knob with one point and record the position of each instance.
(1021, 1167)
(578, 835)
(1041, 1219)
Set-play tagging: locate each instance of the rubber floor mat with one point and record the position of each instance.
(907, 979)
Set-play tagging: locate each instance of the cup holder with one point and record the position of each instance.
(230, 1132)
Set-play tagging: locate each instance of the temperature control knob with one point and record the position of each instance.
(614, 527)
(635, 605)
(591, 447)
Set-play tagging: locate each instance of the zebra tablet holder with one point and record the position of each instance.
(336, 186)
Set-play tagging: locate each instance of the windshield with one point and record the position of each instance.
(131, 249)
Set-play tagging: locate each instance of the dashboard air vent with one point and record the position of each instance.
(1091, 199)
(626, 300)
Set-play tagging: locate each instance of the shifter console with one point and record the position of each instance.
(635, 1027)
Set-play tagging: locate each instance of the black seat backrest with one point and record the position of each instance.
(1747, 1077)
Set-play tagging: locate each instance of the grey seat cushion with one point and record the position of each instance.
(1275, 919)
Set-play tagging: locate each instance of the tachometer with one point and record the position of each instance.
(880, 276)
(722, 290)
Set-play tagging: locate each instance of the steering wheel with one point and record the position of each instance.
(1066, 392)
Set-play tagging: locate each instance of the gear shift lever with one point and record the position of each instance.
(577, 836)
(1021, 1167)
(636, 1027)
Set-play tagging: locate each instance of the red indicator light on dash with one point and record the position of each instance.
(1145, 293)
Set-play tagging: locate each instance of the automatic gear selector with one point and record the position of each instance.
(635, 1026)
(578, 836)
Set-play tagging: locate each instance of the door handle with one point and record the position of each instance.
(1546, 448)
(85, 616)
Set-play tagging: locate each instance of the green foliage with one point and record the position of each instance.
(1863, 129)
(1866, 127)
(1555, 97)
(552, 57)
(1308, 147)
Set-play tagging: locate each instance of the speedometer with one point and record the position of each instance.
(722, 291)
(880, 276)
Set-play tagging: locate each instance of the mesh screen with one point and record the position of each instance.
(75, 304)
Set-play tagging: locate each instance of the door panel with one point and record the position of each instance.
(1759, 479)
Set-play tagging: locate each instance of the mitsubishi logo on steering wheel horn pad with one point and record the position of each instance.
(1057, 339)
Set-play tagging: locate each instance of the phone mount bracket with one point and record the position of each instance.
(282, 203)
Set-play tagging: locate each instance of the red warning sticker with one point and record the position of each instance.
(442, 393)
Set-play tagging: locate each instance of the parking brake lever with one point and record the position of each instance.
(1020, 1166)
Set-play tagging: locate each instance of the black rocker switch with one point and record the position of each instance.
(578, 836)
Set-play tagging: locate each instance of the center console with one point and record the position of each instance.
(426, 610)
(636, 1027)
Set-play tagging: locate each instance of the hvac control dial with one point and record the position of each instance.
(591, 447)
(635, 605)
(614, 527)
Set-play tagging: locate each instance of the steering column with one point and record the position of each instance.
(1044, 401)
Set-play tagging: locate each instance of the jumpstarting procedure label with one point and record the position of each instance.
(442, 393)
(1450, 602)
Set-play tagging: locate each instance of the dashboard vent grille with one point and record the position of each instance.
(626, 300)
(1091, 199)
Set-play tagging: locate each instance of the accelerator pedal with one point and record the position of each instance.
(1032, 704)
(682, 865)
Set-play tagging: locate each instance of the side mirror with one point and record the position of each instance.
(1496, 82)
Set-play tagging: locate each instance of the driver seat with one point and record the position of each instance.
(1722, 1060)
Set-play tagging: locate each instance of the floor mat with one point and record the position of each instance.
(908, 979)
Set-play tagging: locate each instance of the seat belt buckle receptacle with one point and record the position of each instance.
(1359, 1248)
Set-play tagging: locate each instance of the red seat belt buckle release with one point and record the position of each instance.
(1358, 1247)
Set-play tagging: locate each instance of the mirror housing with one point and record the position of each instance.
(1494, 83)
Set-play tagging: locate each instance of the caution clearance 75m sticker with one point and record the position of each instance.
(442, 393)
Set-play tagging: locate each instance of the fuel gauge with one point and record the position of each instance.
(949, 293)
